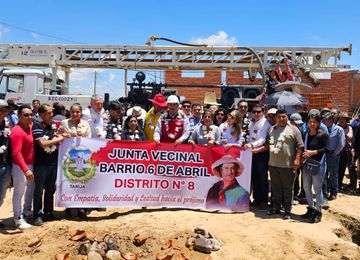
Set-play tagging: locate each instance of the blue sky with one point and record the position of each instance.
(247, 23)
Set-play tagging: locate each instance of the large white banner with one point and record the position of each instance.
(102, 173)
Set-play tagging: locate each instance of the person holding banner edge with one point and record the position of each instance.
(76, 126)
(259, 128)
(45, 166)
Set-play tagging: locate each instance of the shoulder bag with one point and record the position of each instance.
(312, 166)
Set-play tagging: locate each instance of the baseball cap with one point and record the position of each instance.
(296, 118)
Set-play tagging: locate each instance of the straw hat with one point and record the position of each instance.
(272, 111)
(210, 99)
(136, 111)
(344, 114)
(227, 159)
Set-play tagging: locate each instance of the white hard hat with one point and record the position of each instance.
(173, 99)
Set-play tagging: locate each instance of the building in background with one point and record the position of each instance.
(341, 90)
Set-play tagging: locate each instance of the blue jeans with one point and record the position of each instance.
(333, 169)
(315, 181)
(5, 179)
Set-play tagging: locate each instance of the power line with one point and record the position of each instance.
(39, 33)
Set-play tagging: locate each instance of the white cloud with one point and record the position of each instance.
(219, 39)
(3, 30)
(83, 74)
(78, 75)
(82, 82)
(84, 89)
(35, 35)
(112, 76)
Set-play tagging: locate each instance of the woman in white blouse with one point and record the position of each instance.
(75, 125)
(231, 132)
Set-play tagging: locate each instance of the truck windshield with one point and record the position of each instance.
(15, 84)
(3, 84)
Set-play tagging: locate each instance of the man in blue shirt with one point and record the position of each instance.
(12, 117)
(191, 123)
(336, 144)
(355, 123)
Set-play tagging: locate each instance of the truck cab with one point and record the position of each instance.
(25, 85)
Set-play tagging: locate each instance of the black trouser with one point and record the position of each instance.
(282, 187)
(345, 158)
(45, 179)
(259, 177)
(354, 171)
(297, 189)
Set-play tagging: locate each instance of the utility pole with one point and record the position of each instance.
(94, 83)
(125, 82)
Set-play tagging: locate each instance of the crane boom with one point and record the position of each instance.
(317, 59)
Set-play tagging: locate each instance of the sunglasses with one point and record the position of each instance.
(27, 115)
(186, 106)
(256, 111)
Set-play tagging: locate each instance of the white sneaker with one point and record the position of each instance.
(21, 223)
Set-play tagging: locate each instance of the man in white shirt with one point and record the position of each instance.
(258, 129)
(94, 116)
(191, 123)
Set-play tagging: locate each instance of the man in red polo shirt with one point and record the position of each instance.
(22, 145)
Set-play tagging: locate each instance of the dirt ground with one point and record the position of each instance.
(252, 235)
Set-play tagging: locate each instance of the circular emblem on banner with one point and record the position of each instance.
(77, 165)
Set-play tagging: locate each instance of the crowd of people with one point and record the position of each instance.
(302, 153)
